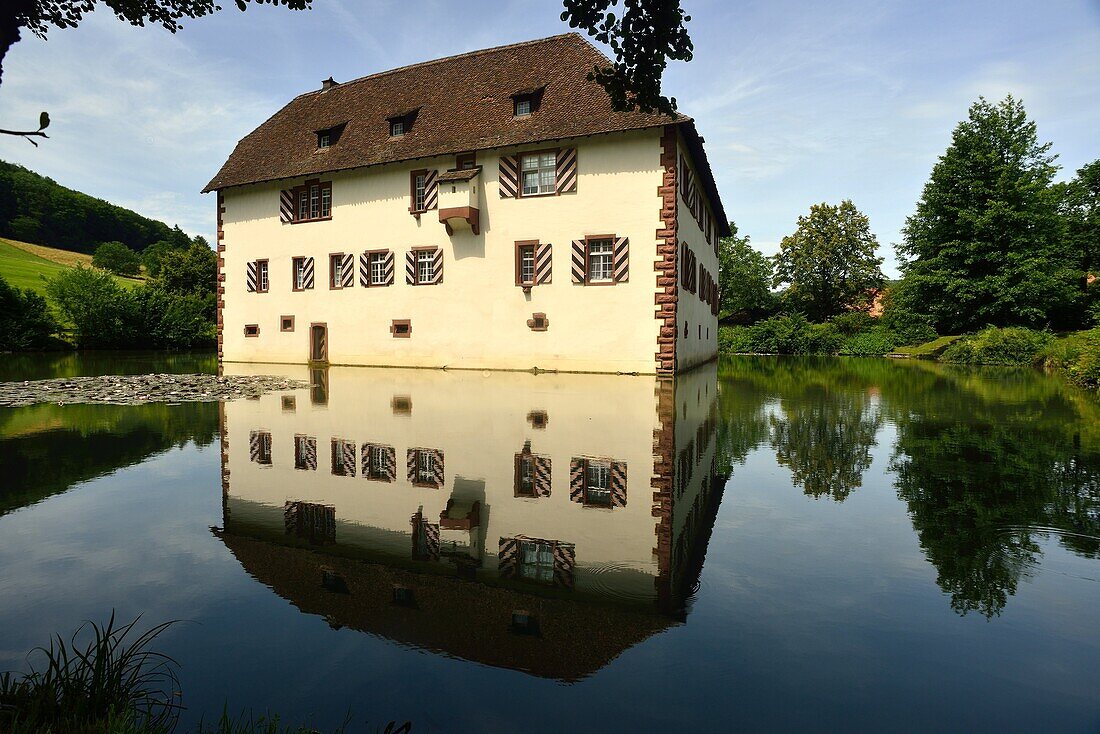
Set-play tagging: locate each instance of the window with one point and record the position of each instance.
(336, 270)
(599, 260)
(538, 171)
(314, 201)
(374, 462)
(286, 323)
(525, 475)
(466, 161)
(597, 483)
(401, 328)
(419, 189)
(523, 106)
(377, 268)
(252, 330)
(324, 139)
(525, 263)
(425, 467)
(343, 458)
(424, 269)
(301, 274)
(262, 280)
(261, 447)
(305, 453)
(536, 561)
(289, 403)
(397, 127)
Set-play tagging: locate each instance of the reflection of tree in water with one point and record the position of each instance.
(987, 462)
(825, 439)
(982, 478)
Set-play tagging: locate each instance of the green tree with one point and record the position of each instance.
(152, 256)
(25, 319)
(986, 244)
(1081, 201)
(829, 263)
(118, 258)
(191, 272)
(744, 280)
(101, 311)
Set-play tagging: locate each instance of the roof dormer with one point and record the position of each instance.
(402, 122)
(526, 102)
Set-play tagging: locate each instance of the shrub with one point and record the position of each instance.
(171, 321)
(1077, 356)
(734, 340)
(824, 339)
(873, 343)
(1009, 346)
(118, 258)
(25, 320)
(100, 310)
(854, 322)
(786, 334)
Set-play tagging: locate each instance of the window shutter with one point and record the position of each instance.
(507, 557)
(410, 267)
(431, 189)
(618, 484)
(437, 266)
(390, 463)
(250, 275)
(567, 170)
(437, 467)
(543, 264)
(255, 442)
(364, 270)
(348, 450)
(508, 176)
(307, 276)
(286, 206)
(685, 280)
(410, 465)
(542, 476)
(576, 480)
(388, 268)
(578, 261)
(347, 271)
(310, 454)
(565, 560)
(620, 262)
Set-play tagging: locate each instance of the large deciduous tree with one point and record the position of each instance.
(829, 264)
(744, 279)
(987, 244)
(1081, 202)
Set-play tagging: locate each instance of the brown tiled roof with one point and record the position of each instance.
(462, 103)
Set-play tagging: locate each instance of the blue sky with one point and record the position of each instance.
(800, 102)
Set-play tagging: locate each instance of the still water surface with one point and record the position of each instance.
(762, 544)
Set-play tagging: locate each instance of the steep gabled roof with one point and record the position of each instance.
(462, 103)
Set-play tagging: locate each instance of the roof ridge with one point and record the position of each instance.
(467, 54)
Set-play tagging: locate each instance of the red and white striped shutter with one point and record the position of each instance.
(437, 467)
(508, 176)
(543, 263)
(437, 266)
(431, 189)
(618, 484)
(620, 260)
(682, 175)
(685, 281)
(543, 476)
(507, 557)
(576, 480)
(348, 449)
(410, 268)
(565, 560)
(389, 463)
(410, 465)
(567, 170)
(286, 206)
(347, 271)
(307, 276)
(364, 270)
(387, 268)
(250, 272)
(578, 261)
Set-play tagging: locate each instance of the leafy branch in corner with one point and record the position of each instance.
(643, 39)
(43, 123)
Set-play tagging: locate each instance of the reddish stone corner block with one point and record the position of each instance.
(665, 266)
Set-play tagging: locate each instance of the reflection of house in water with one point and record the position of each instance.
(538, 522)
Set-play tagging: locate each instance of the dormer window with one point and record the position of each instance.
(329, 136)
(526, 101)
(324, 139)
(402, 123)
(397, 127)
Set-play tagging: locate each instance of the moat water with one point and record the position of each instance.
(763, 544)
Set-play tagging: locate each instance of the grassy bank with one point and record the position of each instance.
(25, 265)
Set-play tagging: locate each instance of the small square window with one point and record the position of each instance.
(252, 330)
(523, 106)
(289, 403)
(286, 323)
(401, 328)
(401, 405)
(397, 127)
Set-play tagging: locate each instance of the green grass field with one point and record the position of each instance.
(25, 270)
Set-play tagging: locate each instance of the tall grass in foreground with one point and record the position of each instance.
(102, 679)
